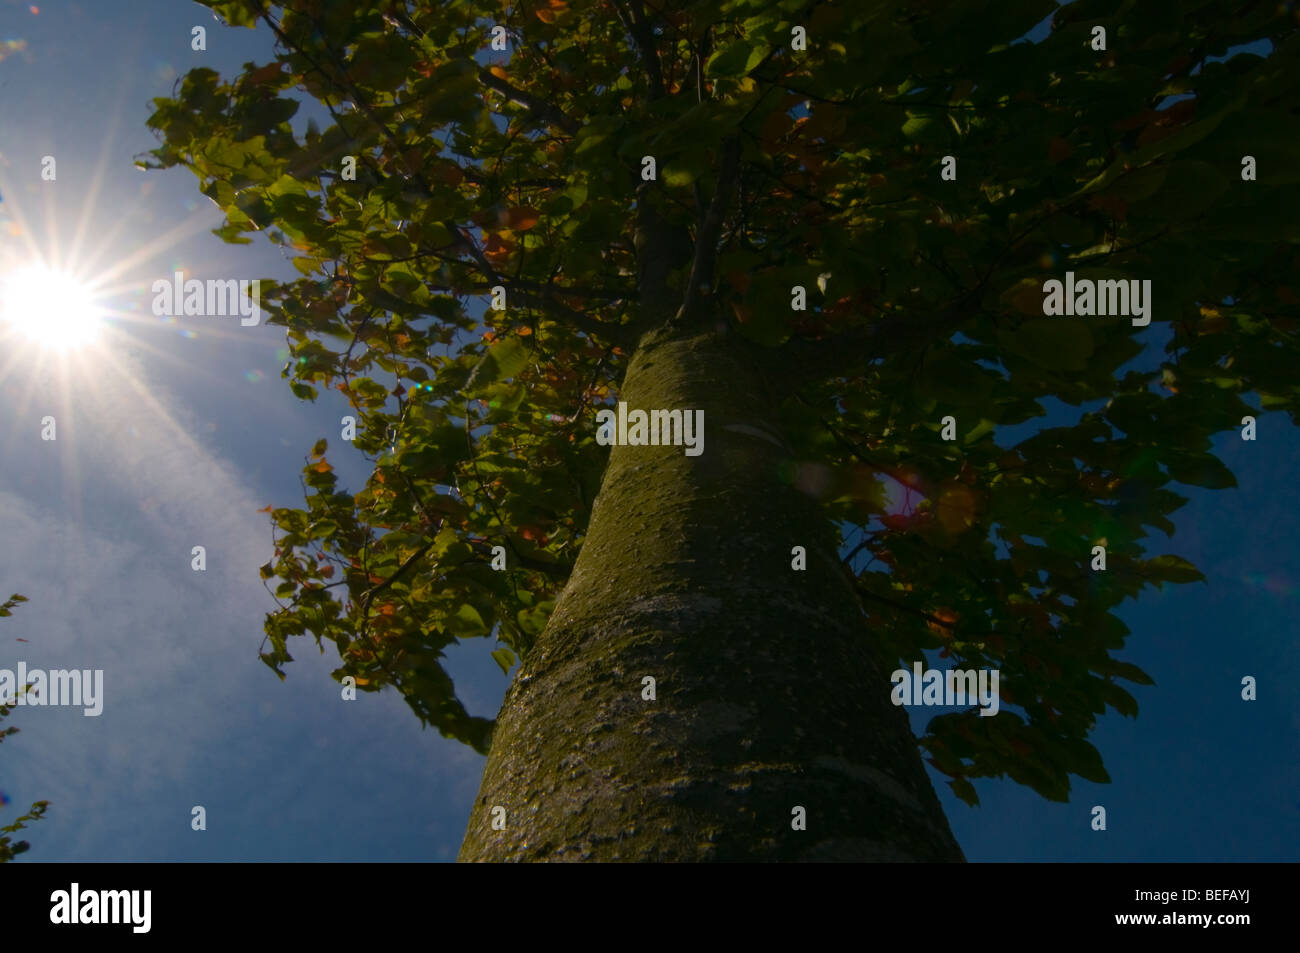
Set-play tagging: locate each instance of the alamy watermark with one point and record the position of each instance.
(957, 686)
(103, 906)
(655, 428)
(1085, 296)
(214, 297)
(58, 686)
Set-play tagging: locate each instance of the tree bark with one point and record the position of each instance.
(769, 694)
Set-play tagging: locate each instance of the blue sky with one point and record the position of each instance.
(175, 432)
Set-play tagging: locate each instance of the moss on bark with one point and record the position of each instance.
(769, 693)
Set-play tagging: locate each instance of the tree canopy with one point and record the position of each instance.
(795, 145)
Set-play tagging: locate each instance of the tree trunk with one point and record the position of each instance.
(769, 693)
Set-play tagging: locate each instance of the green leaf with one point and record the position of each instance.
(1125, 670)
(467, 622)
(534, 620)
(505, 658)
(1173, 569)
(576, 194)
(965, 791)
(503, 360)
(272, 663)
(917, 126)
(735, 59)
(985, 426)
(1202, 469)
(1058, 344)
(1138, 184)
(323, 529)
(1085, 761)
(1119, 699)
(680, 175)
(1188, 189)
(234, 12)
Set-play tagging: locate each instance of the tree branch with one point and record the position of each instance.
(894, 603)
(801, 360)
(632, 16)
(589, 326)
(660, 250)
(700, 282)
(539, 107)
(610, 294)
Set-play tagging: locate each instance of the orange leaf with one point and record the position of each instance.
(945, 615)
(522, 218)
(546, 16)
(322, 467)
(1136, 121)
(1112, 205)
(498, 72)
(448, 173)
(265, 509)
(825, 123)
(266, 74)
(497, 248)
(774, 128)
(1181, 112)
(1154, 133)
(525, 331)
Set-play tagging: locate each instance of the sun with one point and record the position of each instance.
(50, 308)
